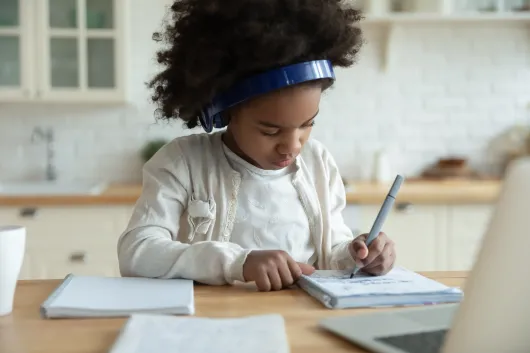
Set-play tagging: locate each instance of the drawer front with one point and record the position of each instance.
(60, 262)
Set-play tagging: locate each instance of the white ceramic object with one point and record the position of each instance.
(382, 172)
(12, 248)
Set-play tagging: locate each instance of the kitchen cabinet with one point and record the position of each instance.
(416, 231)
(83, 239)
(62, 240)
(62, 50)
(429, 237)
(15, 49)
(467, 226)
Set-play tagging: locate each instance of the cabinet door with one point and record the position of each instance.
(82, 46)
(467, 225)
(416, 231)
(79, 240)
(15, 50)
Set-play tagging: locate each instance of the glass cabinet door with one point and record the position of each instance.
(81, 45)
(10, 45)
(63, 44)
(64, 63)
(101, 71)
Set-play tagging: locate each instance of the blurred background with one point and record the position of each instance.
(440, 94)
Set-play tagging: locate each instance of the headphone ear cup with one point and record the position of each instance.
(225, 118)
(206, 122)
(219, 120)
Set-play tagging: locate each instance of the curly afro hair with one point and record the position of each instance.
(212, 44)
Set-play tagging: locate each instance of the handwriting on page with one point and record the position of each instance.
(397, 281)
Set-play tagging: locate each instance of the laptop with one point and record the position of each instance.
(494, 315)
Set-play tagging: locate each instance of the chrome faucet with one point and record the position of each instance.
(47, 136)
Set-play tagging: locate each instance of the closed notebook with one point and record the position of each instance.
(144, 333)
(400, 287)
(94, 296)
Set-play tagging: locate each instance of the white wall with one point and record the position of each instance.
(449, 89)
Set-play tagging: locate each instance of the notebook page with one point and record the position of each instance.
(169, 334)
(397, 282)
(124, 293)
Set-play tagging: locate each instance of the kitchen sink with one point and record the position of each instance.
(44, 188)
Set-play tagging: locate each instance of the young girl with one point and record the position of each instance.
(257, 200)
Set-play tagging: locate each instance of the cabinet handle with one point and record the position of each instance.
(28, 212)
(405, 207)
(77, 257)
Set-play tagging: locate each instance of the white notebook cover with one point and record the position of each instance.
(95, 296)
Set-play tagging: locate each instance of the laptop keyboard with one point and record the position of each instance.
(421, 342)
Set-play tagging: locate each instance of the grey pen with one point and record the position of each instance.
(381, 216)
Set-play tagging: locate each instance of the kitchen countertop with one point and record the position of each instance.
(427, 192)
(414, 191)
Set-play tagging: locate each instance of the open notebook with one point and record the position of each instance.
(144, 333)
(93, 296)
(399, 287)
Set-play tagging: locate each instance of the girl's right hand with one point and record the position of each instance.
(273, 269)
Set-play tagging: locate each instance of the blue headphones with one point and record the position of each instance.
(211, 114)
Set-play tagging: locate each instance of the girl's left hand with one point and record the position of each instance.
(377, 259)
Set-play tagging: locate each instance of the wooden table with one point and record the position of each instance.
(24, 331)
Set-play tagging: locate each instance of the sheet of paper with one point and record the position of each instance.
(397, 281)
(169, 334)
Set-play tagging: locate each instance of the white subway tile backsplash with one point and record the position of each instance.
(449, 90)
(441, 104)
(471, 89)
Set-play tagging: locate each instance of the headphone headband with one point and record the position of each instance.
(211, 114)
